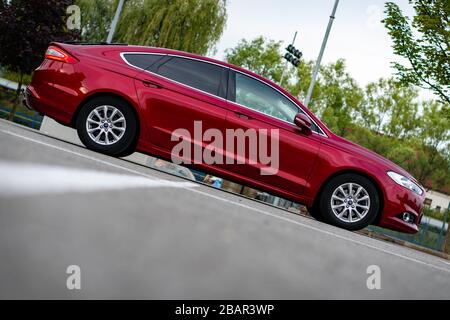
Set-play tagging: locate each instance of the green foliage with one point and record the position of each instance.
(424, 43)
(193, 26)
(440, 215)
(26, 29)
(338, 97)
(15, 76)
(335, 96)
(259, 55)
(96, 17)
(300, 79)
(390, 108)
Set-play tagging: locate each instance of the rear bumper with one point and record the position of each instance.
(34, 101)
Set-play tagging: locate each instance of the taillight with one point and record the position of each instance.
(55, 53)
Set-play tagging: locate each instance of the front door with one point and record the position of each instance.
(256, 107)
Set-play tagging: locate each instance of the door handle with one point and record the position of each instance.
(151, 84)
(242, 115)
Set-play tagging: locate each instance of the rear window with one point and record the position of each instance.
(142, 60)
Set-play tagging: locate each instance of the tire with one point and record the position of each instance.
(315, 213)
(117, 137)
(357, 209)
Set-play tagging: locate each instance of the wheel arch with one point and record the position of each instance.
(108, 94)
(360, 173)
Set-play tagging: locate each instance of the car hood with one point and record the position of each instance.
(354, 148)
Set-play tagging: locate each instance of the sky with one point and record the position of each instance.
(357, 34)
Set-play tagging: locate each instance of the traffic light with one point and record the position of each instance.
(297, 53)
(289, 57)
(293, 55)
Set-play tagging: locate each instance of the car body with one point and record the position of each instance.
(168, 89)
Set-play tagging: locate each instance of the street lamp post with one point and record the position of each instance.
(319, 59)
(114, 22)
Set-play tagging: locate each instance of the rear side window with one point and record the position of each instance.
(142, 61)
(200, 75)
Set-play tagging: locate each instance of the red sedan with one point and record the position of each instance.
(123, 99)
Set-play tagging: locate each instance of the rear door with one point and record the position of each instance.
(182, 94)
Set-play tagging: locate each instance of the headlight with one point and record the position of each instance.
(405, 182)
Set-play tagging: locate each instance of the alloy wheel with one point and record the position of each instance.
(350, 202)
(106, 125)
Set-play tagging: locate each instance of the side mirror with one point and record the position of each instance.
(303, 122)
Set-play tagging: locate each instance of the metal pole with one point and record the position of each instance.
(114, 22)
(442, 231)
(319, 59)
(287, 63)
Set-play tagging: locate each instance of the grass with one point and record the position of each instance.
(436, 214)
(14, 76)
(8, 96)
(23, 115)
(8, 100)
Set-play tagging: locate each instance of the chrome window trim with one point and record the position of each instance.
(192, 58)
(321, 133)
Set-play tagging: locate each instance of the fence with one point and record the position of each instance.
(431, 233)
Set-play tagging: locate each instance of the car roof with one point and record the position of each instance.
(183, 54)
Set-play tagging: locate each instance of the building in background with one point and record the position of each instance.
(437, 201)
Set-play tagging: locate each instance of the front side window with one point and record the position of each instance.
(200, 75)
(260, 97)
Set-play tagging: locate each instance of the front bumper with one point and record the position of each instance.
(398, 200)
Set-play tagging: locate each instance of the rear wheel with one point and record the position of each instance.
(349, 201)
(107, 125)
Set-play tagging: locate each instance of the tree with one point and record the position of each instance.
(338, 97)
(336, 94)
(390, 107)
(424, 43)
(434, 134)
(300, 80)
(263, 56)
(26, 29)
(193, 26)
(96, 17)
(260, 56)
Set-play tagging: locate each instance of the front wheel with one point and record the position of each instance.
(349, 201)
(107, 125)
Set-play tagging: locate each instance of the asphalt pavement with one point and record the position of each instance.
(135, 232)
